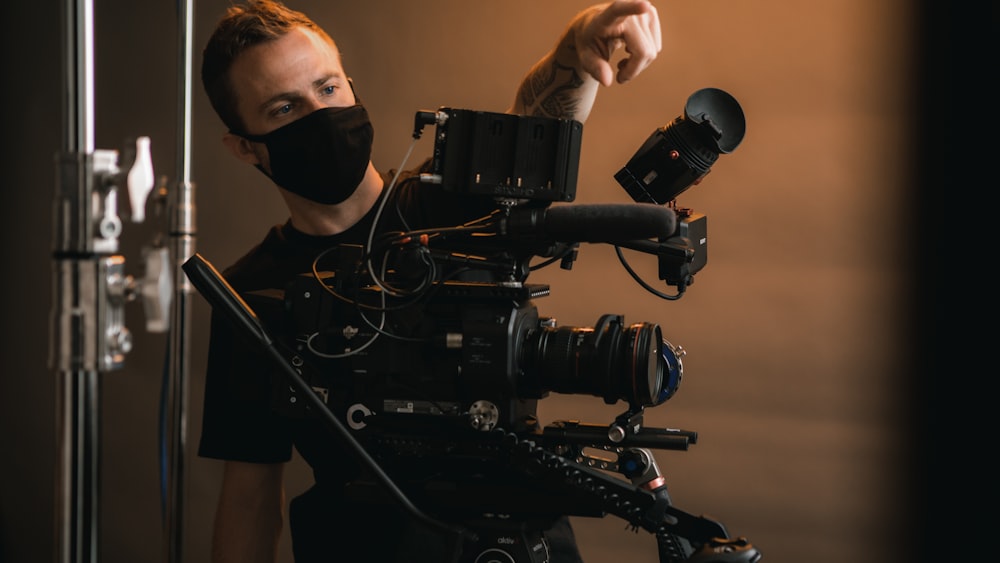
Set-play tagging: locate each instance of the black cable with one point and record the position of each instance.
(640, 281)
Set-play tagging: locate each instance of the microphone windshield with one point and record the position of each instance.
(609, 222)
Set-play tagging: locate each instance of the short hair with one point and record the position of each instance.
(242, 27)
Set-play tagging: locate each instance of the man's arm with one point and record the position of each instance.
(249, 517)
(564, 83)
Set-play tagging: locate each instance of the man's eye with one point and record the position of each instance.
(329, 90)
(283, 109)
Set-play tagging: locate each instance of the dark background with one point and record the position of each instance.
(836, 422)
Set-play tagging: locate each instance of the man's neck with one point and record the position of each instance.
(321, 220)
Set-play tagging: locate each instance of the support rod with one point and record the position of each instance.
(182, 236)
(76, 274)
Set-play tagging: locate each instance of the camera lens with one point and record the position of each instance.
(610, 360)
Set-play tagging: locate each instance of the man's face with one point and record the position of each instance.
(282, 80)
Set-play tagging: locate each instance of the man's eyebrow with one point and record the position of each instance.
(278, 97)
(326, 78)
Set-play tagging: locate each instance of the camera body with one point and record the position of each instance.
(470, 356)
(453, 359)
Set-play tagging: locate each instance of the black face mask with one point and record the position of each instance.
(323, 156)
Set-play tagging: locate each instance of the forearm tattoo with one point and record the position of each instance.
(543, 95)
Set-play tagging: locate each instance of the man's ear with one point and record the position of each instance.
(241, 148)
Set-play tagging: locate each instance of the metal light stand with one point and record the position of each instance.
(182, 236)
(91, 287)
(81, 264)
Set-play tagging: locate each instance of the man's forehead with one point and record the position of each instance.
(295, 61)
(299, 44)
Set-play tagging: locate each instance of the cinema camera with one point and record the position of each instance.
(425, 351)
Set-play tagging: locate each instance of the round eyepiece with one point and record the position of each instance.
(720, 115)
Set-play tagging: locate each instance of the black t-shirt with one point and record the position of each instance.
(240, 422)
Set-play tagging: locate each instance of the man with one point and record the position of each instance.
(277, 83)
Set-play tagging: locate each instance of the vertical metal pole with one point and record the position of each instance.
(77, 484)
(182, 235)
(76, 274)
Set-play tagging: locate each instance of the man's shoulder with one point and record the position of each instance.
(253, 270)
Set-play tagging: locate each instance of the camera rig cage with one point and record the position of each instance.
(433, 378)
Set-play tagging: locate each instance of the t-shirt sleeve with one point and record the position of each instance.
(238, 423)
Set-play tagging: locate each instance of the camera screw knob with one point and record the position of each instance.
(616, 433)
(483, 415)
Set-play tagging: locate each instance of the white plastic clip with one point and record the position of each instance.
(140, 179)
